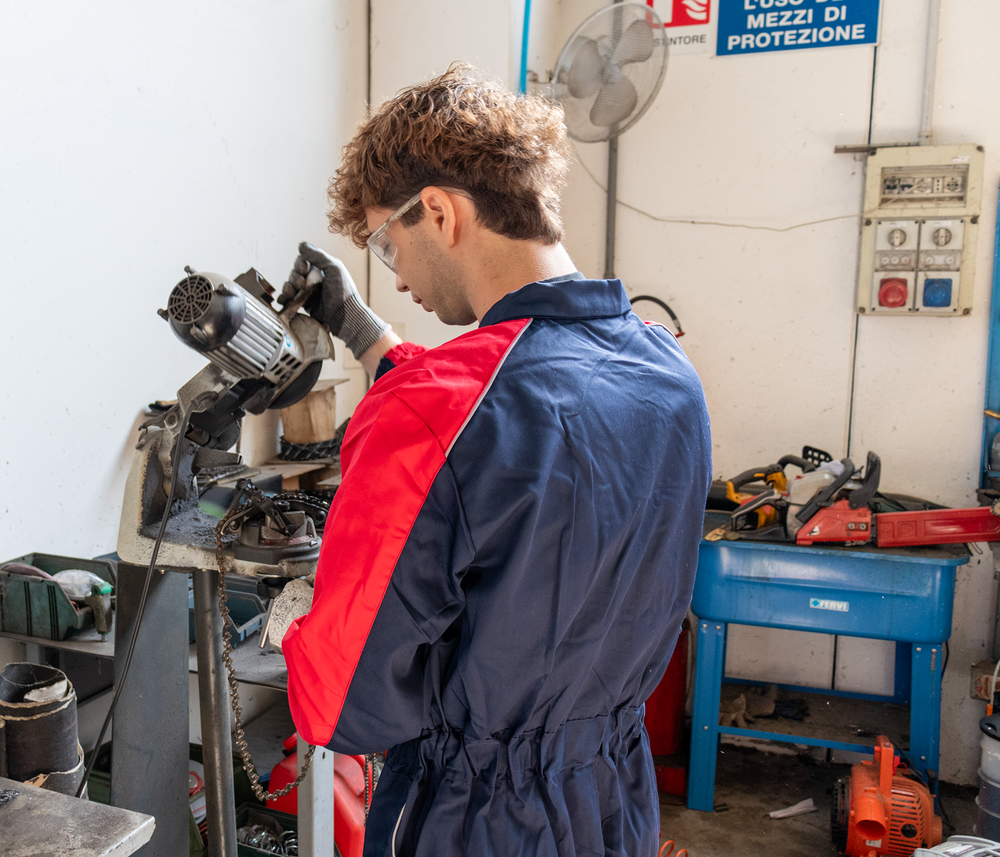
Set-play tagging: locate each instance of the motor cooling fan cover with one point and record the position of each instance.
(610, 70)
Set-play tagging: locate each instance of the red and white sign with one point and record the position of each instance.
(686, 23)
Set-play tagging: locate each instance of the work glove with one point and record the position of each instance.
(294, 601)
(334, 302)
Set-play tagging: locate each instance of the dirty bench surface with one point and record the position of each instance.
(40, 823)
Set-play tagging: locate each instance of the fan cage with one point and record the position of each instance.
(646, 76)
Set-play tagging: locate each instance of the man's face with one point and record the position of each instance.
(425, 270)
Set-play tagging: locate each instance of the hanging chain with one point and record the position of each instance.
(234, 693)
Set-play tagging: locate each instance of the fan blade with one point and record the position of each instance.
(635, 45)
(586, 71)
(614, 103)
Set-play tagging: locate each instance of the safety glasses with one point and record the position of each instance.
(381, 244)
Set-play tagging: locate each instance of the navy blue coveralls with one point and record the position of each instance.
(503, 576)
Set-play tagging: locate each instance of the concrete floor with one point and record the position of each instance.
(751, 783)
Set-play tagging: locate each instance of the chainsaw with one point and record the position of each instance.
(833, 501)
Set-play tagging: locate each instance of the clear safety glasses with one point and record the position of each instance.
(381, 244)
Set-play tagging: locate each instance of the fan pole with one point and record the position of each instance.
(612, 201)
(612, 209)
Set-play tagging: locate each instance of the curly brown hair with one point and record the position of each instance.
(459, 130)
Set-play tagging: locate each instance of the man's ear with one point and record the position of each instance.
(444, 216)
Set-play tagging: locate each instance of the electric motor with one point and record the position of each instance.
(232, 328)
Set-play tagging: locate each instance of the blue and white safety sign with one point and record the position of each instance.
(759, 26)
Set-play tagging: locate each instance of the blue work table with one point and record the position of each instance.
(900, 594)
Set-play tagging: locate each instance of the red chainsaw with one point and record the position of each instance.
(832, 501)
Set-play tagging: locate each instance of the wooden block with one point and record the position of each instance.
(323, 478)
(313, 419)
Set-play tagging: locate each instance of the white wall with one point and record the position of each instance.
(412, 42)
(768, 304)
(137, 139)
(770, 319)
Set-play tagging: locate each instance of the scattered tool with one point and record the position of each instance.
(834, 502)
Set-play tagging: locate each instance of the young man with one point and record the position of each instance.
(507, 562)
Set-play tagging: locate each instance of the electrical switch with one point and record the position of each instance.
(937, 292)
(893, 292)
(920, 229)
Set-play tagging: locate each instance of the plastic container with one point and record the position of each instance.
(246, 608)
(989, 793)
(989, 764)
(276, 823)
(962, 846)
(38, 606)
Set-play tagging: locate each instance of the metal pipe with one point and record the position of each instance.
(612, 208)
(930, 71)
(611, 216)
(216, 738)
(315, 801)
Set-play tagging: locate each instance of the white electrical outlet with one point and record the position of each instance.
(920, 229)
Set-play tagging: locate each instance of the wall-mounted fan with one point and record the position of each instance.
(606, 77)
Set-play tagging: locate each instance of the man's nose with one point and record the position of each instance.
(400, 285)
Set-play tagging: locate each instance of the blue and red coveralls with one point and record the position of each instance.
(503, 576)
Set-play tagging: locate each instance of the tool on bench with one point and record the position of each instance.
(832, 501)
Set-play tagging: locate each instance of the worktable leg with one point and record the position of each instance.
(903, 671)
(709, 669)
(149, 762)
(315, 801)
(216, 740)
(925, 707)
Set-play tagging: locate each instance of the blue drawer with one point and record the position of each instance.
(904, 595)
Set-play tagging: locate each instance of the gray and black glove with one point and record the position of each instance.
(335, 302)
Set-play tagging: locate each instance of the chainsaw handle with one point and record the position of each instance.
(740, 515)
(824, 496)
(754, 474)
(869, 485)
(803, 464)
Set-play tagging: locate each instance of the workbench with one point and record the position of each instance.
(37, 823)
(900, 594)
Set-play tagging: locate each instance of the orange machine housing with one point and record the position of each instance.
(882, 813)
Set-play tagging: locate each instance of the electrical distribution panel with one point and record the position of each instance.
(918, 242)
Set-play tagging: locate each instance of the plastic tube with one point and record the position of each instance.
(522, 84)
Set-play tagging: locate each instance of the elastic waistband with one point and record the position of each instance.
(525, 756)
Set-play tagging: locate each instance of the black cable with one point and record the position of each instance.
(947, 654)
(142, 600)
(663, 306)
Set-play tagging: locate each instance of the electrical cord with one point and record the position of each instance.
(142, 599)
(663, 306)
(690, 222)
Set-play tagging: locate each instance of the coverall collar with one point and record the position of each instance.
(570, 296)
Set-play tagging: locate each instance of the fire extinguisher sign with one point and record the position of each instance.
(687, 24)
(761, 26)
